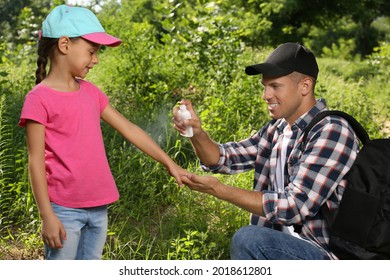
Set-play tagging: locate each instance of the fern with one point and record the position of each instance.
(5, 163)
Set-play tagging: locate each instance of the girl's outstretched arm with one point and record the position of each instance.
(53, 231)
(142, 141)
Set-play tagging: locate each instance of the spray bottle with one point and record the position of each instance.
(184, 114)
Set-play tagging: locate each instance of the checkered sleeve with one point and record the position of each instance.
(236, 157)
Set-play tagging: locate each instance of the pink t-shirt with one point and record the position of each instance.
(77, 170)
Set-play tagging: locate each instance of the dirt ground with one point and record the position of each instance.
(17, 252)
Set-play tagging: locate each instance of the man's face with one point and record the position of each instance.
(284, 98)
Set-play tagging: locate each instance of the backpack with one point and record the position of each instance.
(360, 228)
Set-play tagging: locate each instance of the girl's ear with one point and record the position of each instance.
(63, 44)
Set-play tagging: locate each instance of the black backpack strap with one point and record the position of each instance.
(361, 134)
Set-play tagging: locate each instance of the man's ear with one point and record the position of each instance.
(307, 85)
(63, 44)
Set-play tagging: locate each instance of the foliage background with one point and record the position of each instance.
(194, 49)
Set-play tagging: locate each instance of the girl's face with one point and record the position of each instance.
(82, 56)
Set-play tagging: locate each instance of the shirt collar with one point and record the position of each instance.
(303, 121)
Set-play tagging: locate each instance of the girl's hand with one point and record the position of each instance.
(53, 232)
(176, 171)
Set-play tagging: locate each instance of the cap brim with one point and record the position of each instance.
(267, 69)
(103, 38)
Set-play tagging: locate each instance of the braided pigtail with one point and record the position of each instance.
(45, 46)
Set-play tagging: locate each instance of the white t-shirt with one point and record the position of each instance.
(281, 163)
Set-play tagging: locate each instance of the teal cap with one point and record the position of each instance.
(71, 21)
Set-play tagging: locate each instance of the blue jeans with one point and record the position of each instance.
(86, 230)
(262, 243)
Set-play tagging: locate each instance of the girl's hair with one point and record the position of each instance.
(45, 47)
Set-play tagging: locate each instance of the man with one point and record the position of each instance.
(290, 186)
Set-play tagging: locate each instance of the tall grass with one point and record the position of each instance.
(19, 222)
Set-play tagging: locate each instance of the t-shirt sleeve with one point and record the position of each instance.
(33, 109)
(103, 101)
(102, 97)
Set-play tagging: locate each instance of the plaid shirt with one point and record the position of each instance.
(312, 178)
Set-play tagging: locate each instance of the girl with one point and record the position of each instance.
(68, 167)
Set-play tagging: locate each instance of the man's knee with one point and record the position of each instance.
(241, 236)
(244, 235)
(242, 241)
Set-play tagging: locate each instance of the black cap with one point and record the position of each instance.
(284, 60)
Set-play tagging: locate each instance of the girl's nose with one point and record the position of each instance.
(95, 59)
